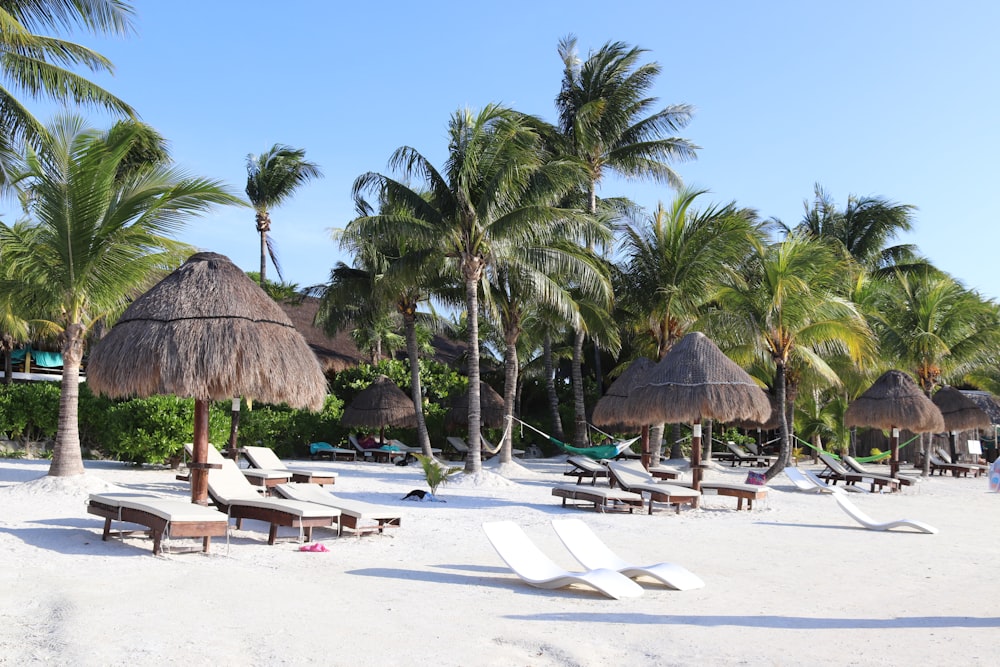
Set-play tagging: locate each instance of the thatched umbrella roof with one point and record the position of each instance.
(958, 410)
(895, 401)
(611, 410)
(490, 406)
(772, 423)
(381, 404)
(985, 402)
(697, 381)
(208, 332)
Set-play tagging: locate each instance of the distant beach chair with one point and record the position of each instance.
(741, 457)
(265, 458)
(591, 552)
(835, 472)
(871, 524)
(856, 466)
(603, 498)
(806, 480)
(585, 467)
(267, 479)
(359, 517)
(537, 569)
(956, 469)
(165, 517)
(318, 449)
(977, 448)
(637, 480)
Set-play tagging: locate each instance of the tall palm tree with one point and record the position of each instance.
(40, 65)
(91, 241)
(494, 200)
(272, 177)
(787, 308)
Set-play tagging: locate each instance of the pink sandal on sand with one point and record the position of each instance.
(314, 547)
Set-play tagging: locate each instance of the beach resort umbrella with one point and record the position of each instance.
(490, 408)
(959, 412)
(693, 382)
(893, 402)
(206, 332)
(381, 404)
(611, 410)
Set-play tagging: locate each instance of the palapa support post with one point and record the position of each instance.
(894, 447)
(696, 458)
(199, 474)
(646, 457)
(234, 428)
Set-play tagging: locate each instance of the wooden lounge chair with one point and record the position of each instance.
(487, 450)
(742, 492)
(358, 516)
(266, 479)
(265, 458)
(321, 449)
(603, 498)
(835, 472)
(591, 552)
(871, 524)
(585, 467)
(382, 454)
(854, 465)
(537, 569)
(740, 457)
(627, 478)
(956, 469)
(164, 517)
(406, 449)
(979, 468)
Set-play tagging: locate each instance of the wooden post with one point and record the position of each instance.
(234, 428)
(696, 457)
(646, 458)
(199, 473)
(894, 458)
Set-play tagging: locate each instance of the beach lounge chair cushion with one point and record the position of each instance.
(265, 458)
(358, 516)
(165, 517)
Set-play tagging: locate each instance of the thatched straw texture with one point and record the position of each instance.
(209, 332)
(380, 404)
(985, 402)
(490, 407)
(696, 381)
(772, 423)
(611, 410)
(895, 401)
(958, 410)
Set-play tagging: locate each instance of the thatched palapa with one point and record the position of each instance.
(381, 404)
(611, 411)
(959, 412)
(895, 401)
(207, 331)
(985, 402)
(696, 381)
(490, 408)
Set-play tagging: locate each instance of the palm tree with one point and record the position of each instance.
(39, 64)
(272, 177)
(787, 308)
(495, 200)
(91, 242)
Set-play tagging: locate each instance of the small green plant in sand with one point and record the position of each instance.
(435, 473)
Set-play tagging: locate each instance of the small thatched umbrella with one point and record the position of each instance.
(490, 408)
(381, 404)
(696, 381)
(208, 332)
(612, 409)
(959, 412)
(893, 402)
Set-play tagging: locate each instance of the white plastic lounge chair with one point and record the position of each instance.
(588, 549)
(265, 458)
(360, 517)
(237, 497)
(537, 569)
(165, 517)
(806, 480)
(871, 524)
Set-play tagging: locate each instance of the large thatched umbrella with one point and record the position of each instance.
(490, 408)
(959, 412)
(381, 404)
(612, 410)
(207, 332)
(893, 402)
(696, 381)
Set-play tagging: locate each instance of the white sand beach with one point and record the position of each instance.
(793, 582)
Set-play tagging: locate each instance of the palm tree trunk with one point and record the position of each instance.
(655, 438)
(473, 461)
(579, 406)
(509, 386)
(782, 461)
(67, 458)
(709, 424)
(550, 388)
(263, 258)
(676, 451)
(410, 327)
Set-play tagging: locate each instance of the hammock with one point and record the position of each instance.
(597, 453)
(859, 459)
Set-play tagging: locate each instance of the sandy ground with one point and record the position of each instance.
(793, 582)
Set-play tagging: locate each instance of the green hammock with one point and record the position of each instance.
(597, 453)
(859, 459)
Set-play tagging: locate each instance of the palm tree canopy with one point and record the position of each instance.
(275, 174)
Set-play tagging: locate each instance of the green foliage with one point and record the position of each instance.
(289, 432)
(434, 472)
(29, 411)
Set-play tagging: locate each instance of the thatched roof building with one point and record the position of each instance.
(960, 413)
(895, 401)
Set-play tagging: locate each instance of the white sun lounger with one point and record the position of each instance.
(806, 480)
(165, 517)
(869, 523)
(358, 516)
(265, 458)
(537, 569)
(591, 552)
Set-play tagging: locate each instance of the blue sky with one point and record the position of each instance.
(889, 98)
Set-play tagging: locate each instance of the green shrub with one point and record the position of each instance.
(29, 411)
